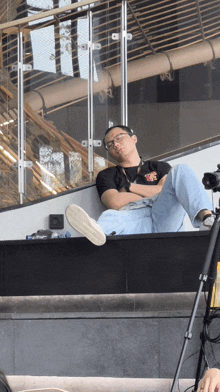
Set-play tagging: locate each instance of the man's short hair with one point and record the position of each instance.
(123, 127)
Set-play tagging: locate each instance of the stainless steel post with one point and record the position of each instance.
(124, 76)
(20, 118)
(90, 97)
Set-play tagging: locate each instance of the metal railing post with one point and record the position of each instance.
(20, 118)
(90, 97)
(124, 76)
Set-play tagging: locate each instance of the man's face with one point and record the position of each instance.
(122, 147)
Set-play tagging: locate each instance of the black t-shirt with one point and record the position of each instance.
(113, 177)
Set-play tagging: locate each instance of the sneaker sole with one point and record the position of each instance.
(82, 223)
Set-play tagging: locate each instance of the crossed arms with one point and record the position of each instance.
(117, 199)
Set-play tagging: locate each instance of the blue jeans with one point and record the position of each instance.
(182, 193)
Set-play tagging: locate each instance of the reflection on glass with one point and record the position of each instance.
(99, 164)
(75, 167)
(43, 55)
(66, 48)
(52, 166)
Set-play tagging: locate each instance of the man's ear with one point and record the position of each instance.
(134, 137)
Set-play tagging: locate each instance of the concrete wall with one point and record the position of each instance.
(95, 384)
(138, 336)
(18, 222)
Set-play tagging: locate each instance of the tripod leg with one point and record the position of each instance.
(212, 277)
(213, 245)
(201, 354)
(188, 335)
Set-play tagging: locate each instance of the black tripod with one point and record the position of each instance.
(209, 270)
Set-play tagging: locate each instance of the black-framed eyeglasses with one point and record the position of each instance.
(117, 139)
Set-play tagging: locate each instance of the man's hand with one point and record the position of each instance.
(210, 381)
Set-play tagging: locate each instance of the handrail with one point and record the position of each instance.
(46, 14)
(186, 150)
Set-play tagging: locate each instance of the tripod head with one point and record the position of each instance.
(212, 180)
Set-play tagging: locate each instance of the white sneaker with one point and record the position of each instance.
(85, 225)
(207, 223)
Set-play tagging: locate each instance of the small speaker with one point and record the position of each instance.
(56, 221)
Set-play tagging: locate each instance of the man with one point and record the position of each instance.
(210, 381)
(141, 197)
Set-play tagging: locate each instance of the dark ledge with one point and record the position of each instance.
(101, 306)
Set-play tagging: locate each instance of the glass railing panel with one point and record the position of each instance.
(8, 121)
(107, 75)
(59, 79)
(55, 107)
(8, 106)
(10, 10)
(56, 84)
(170, 109)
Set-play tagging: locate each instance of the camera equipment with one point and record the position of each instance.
(208, 276)
(212, 180)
